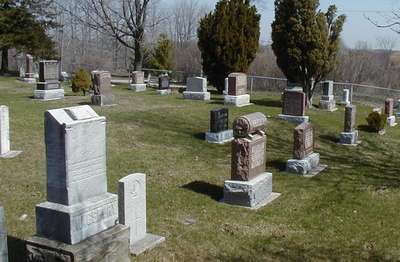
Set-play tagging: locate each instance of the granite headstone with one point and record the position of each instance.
(102, 93)
(303, 141)
(294, 103)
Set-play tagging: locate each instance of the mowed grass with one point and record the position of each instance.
(350, 212)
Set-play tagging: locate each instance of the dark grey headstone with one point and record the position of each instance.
(219, 120)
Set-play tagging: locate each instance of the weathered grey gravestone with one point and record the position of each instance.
(5, 151)
(3, 237)
(345, 97)
(219, 127)
(137, 84)
(163, 85)
(101, 81)
(350, 135)
(305, 161)
(132, 213)
(389, 105)
(48, 87)
(78, 205)
(29, 75)
(327, 101)
(196, 89)
(237, 90)
(294, 106)
(250, 186)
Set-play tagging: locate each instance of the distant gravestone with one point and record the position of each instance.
(196, 89)
(389, 109)
(237, 90)
(48, 87)
(163, 85)
(137, 84)
(219, 127)
(294, 106)
(79, 211)
(349, 136)
(250, 186)
(305, 161)
(345, 97)
(5, 148)
(3, 237)
(132, 213)
(29, 74)
(101, 82)
(327, 101)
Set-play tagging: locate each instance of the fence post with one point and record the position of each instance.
(351, 93)
(251, 85)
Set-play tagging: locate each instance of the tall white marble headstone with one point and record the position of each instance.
(132, 212)
(3, 237)
(78, 204)
(5, 151)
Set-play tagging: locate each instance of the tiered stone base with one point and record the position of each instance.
(137, 87)
(253, 194)
(220, 138)
(11, 154)
(111, 245)
(102, 100)
(197, 95)
(328, 105)
(147, 243)
(391, 121)
(308, 166)
(30, 80)
(349, 138)
(52, 94)
(164, 92)
(238, 101)
(294, 119)
(344, 103)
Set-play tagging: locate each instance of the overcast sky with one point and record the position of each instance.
(357, 27)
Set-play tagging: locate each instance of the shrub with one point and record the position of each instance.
(81, 81)
(376, 121)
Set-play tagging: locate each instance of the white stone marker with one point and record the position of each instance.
(5, 151)
(345, 97)
(132, 213)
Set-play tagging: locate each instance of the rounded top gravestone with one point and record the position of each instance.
(248, 124)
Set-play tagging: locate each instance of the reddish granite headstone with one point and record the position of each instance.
(237, 84)
(303, 141)
(389, 103)
(294, 103)
(101, 82)
(350, 118)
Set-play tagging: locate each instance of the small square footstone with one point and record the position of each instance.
(3, 237)
(219, 127)
(5, 151)
(111, 245)
(250, 186)
(305, 162)
(132, 213)
(164, 92)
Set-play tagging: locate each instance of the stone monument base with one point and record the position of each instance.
(220, 138)
(111, 245)
(294, 119)
(52, 94)
(30, 80)
(308, 166)
(102, 100)
(149, 242)
(164, 92)
(238, 101)
(205, 96)
(72, 224)
(344, 103)
(349, 138)
(252, 194)
(391, 121)
(328, 105)
(11, 154)
(137, 87)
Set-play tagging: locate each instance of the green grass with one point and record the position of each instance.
(349, 212)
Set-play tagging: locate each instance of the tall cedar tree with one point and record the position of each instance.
(228, 39)
(23, 25)
(306, 41)
(161, 57)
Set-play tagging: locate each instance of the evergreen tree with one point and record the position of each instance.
(161, 57)
(81, 81)
(228, 39)
(306, 41)
(23, 26)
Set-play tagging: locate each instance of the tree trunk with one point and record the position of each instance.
(138, 55)
(4, 60)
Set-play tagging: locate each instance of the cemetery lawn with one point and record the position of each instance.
(350, 212)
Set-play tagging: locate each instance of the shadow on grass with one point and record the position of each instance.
(201, 187)
(16, 249)
(200, 136)
(214, 92)
(278, 164)
(216, 102)
(329, 138)
(85, 104)
(269, 102)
